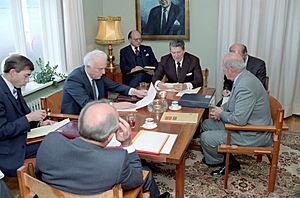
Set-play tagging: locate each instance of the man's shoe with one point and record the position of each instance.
(211, 165)
(165, 195)
(233, 167)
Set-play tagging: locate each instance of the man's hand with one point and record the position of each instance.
(140, 93)
(38, 115)
(215, 113)
(123, 134)
(180, 86)
(226, 92)
(162, 86)
(46, 122)
(124, 105)
(150, 72)
(136, 68)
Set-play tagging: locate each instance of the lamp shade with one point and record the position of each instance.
(109, 31)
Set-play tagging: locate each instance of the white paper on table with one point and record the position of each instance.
(188, 91)
(169, 144)
(225, 99)
(147, 99)
(44, 130)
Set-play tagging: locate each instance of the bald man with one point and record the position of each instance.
(83, 165)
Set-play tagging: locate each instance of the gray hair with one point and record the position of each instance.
(100, 131)
(177, 43)
(90, 56)
(234, 61)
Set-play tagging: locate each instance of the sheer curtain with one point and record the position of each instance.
(74, 33)
(271, 31)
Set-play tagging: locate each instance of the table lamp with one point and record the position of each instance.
(109, 32)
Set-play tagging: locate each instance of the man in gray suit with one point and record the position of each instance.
(83, 165)
(248, 104)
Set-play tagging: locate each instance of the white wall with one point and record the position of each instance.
(203, 29)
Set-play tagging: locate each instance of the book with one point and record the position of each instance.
(178, 117)
(44, 130)
(151, 142)
(195, 100)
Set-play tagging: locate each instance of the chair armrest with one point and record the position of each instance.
(61, 116)
(256, 128)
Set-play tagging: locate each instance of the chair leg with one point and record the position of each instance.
(226, 170)
(273, 172)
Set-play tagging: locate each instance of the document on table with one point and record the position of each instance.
(188, 91)
(44, 130)
(147, 99)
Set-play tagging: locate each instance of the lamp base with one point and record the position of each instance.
(110, 57)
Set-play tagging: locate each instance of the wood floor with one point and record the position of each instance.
(292, 122)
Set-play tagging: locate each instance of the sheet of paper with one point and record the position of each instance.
(169, 144)
(188, 91)
(225, 99)
(44, 130)
(147, 99)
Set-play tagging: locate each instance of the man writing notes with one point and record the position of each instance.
(83, 165)
(133, 59)
(248, 104)
(16, 119)
(181, 68)
(87, 83)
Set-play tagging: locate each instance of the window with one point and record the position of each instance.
(33, 28)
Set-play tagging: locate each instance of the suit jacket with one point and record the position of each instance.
(191, 70)
(128, 60)
(80, 167)
(13, 130)
(77, 90)
(248, 104)
(175, 21)
(256, 66)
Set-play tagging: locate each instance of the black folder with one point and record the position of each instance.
(195, 100)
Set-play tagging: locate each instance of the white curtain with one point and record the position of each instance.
(271, 31)
(74, 33)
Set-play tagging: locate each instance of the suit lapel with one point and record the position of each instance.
(131, 54)
(185, 67)
(87, 82)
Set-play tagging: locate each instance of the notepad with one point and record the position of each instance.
(44, 130)
(178, 117)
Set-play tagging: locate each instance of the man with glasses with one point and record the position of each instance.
(133, 59)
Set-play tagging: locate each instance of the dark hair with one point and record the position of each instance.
(17, 62)
(177, 43)
(244, 49)
(129, 34)
(100, 131)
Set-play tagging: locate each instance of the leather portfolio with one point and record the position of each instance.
(195, 100)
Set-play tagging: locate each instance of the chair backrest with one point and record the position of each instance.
(277, 114)
(30, 186)
(52, 103)
(205, 73)
(267, 83)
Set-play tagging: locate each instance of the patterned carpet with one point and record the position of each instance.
(250, 181)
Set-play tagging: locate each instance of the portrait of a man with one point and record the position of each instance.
(162, 17)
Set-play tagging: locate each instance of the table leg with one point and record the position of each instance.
(180, 170)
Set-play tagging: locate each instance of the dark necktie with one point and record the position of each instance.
(94, 86)
(164, 22)
(15, 94)
(179, 68)
(137, 51)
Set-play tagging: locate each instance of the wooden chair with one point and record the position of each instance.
(273, 151)
(31, 187)
(205, 73)
(52, 104)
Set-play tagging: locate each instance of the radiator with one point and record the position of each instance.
(34, 105)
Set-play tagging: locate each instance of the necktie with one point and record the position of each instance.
(179, 68)
(94, 86)
(15, 94)
(137, 51)
(164, 22)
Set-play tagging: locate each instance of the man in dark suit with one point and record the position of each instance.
(86, 83)
(4, 191)
(134, 58)
(165, 19)
(255, 65)
(15, 116)
(83, 165)
(181, 68)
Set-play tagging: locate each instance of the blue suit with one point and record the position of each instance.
(77, 90)
(128, 60)
(13, 130)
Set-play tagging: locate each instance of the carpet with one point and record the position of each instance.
(250, 181)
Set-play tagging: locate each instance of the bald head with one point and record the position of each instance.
(98, 120)
(135, 38)
(240, 49)
(233, 64)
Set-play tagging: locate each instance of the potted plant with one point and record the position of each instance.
(46, 73)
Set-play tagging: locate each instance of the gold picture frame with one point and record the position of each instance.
(149, 15)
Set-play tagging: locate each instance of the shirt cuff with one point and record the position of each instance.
(189, 85)
(1, 175)
(130, 149)
(156, 84)
(131, 90)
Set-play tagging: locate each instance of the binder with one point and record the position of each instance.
(195, 100)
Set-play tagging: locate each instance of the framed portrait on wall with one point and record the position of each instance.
(163, 19)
